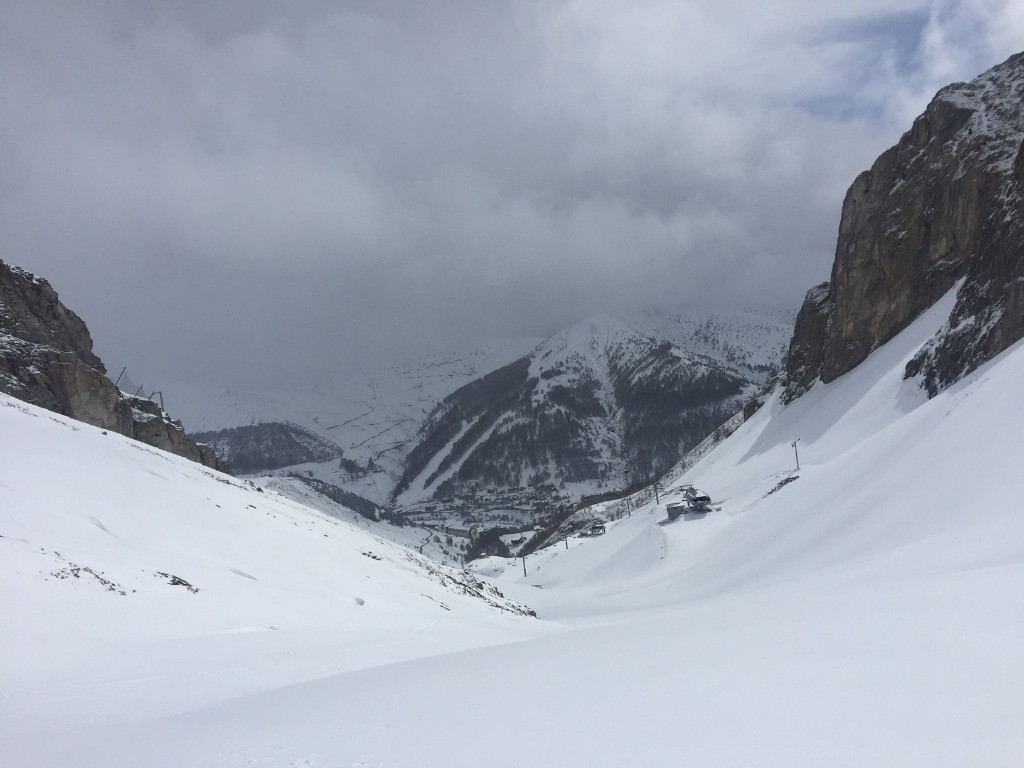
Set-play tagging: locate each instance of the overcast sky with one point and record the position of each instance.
(245, 188)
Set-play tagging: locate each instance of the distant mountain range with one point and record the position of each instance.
(472, 439)
(609, 402)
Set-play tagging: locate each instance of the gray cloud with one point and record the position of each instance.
(248, 189)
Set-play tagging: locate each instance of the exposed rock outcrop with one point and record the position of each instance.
(46, 359)
(151, 425)
(943, 205)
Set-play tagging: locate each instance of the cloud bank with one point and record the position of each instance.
(241, 190)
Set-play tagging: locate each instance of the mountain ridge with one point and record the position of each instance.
(601, 403)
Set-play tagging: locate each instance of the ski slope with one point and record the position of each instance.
(869, 612)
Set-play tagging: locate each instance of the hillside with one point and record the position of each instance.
(603, 404)
(135, 583)
(268, 445)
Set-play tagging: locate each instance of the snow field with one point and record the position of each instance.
(284, 593)
(870, 612)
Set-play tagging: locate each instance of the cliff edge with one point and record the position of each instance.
(46, 359)
(943, 208)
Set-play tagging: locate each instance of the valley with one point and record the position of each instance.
(287, 651)
(526, 442)
(648, 539)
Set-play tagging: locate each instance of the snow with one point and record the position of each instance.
(870, 612)
(747, 342)
(994, 97)
(285, 594)
(414, 536)
(741, 342)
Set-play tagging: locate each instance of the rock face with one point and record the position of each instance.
(151, 425)
(46, 359)
(942, 208)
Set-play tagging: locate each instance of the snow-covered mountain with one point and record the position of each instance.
(865, 609)
(752, 342)
(602, 404)
(372, 415)
(373, 435)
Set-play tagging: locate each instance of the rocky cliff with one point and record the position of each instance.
(941, 209)
(46, 359)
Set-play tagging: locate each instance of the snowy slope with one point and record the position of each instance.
(870, 612)
(137, 584)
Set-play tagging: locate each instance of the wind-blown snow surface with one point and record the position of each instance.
(870, 612)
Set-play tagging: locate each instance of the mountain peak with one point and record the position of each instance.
(608, 401)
